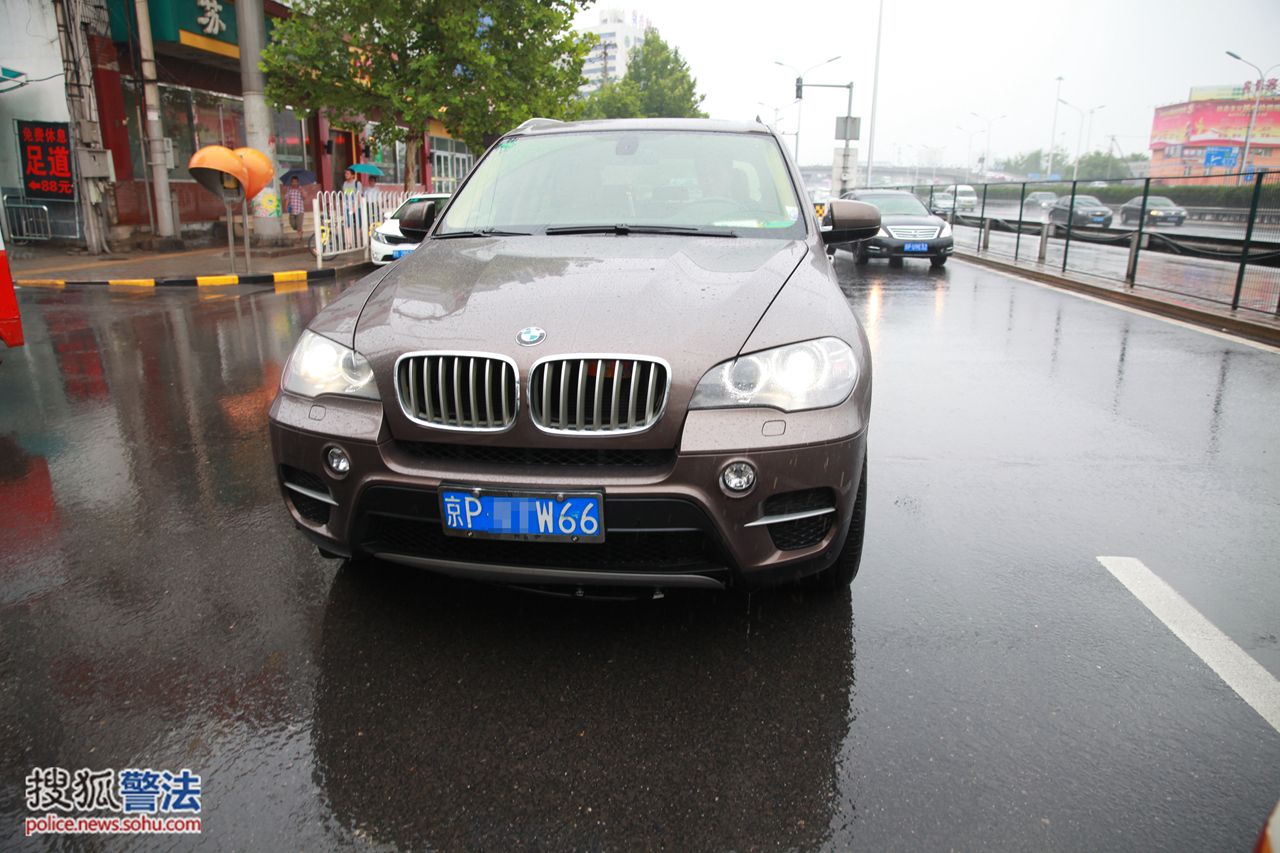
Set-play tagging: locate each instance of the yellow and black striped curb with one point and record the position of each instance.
(290, 278)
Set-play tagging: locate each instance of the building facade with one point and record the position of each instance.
(198, 69)
(620, 32)
(1204, 136)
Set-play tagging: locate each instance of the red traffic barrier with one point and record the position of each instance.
(10, 322)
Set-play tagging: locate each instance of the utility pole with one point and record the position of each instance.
(1053, 130)
(154, 130)
(258, 122)
(875, 90)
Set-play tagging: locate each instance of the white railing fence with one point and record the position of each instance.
(343, 222)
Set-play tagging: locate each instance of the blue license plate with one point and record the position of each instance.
(397, 254)
(550, 516)
(915, 247)
(1099, 219)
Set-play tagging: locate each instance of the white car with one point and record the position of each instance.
(965, 196)
(387, 243)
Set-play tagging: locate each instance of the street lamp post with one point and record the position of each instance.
(1080, 134)
(986, 157)
(1075, 170)
(1088, 133)
(799, 90)
(1253, 113)
(1053, 131)
(968, 148)
(875, 90)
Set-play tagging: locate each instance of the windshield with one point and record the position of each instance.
(899, 205)
(685, 180)
(1158, 201)
(1087, 201)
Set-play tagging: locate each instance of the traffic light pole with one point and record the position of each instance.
(800, 85)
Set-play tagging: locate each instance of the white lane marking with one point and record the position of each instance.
(1217, 333)
(1233, 665)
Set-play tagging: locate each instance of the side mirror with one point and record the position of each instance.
(417, 219)
(850, 221)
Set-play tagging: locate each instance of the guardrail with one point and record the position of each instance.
(1225, 254)
(27, 220)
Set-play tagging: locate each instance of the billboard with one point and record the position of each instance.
(45, 155)
(1214, 122)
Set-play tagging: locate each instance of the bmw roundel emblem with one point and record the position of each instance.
(531, 335)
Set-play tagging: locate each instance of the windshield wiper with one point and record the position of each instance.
(689, 230)
(482, 232)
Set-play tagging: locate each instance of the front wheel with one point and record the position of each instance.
(895, 262)
(938, 263)
(842, 572)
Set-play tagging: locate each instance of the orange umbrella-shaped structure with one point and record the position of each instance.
(259, 168)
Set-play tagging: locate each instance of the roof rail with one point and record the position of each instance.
(535, 123)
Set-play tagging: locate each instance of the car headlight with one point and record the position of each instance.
(809, 375)
(946, 230)
(379, 239)
(321, 366)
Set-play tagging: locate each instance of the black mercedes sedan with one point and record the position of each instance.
(907, 230)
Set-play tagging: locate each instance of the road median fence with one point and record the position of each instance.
(1193, 237)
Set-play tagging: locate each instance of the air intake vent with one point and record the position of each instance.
(598, 394)
(458, 391)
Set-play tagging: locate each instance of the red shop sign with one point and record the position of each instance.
(44, 148)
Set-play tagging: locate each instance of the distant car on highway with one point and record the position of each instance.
(966, 198)
(1088, 211)
(1038, 202)
(907, 230)
(942, 203)
(387, 243)
(1160, 211)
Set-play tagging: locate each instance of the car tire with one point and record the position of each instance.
(860, 257)
(938, 263)
(895, 262)
(841, 573)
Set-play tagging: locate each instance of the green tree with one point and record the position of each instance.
(479, 67)
(657, 84)
(1032, 162)
(1099, 165)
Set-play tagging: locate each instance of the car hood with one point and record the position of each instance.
(692, 301)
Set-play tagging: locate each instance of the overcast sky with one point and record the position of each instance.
(942, 60)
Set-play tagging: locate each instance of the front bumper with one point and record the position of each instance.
(384, 253)
(668, 523)
(889, 247)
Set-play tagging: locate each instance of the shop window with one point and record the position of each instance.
(291, 141)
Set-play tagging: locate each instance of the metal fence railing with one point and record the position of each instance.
(344, 221)
(1213, 239)
(27, 220)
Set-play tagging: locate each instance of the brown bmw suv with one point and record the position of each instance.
(619, 358)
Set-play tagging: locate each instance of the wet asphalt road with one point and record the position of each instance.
(986, 686)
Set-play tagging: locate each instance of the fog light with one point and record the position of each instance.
(337, 460)
(738, 476)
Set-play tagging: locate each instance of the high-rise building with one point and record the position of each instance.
(1204, 135)
(620, 32)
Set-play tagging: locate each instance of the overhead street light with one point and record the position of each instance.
(799, 94)
(986, 158)
(968, 148)
(1253, 113)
